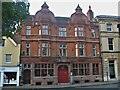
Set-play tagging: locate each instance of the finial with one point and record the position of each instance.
(78, 8)
(45, 6)
(89, 7)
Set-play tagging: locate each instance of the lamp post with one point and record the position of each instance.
(71, 77)
(20, 71)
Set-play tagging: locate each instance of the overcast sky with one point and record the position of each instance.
(65, 8)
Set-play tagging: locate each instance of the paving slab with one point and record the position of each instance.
(63, 86)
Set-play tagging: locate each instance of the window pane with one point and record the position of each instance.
(44, 49)
(50, 72)
(80, 31)
(75, 72)
(37, 72)
(44, 30)
(109, 27)
(94, 50)
(60, 46)
(29, 65)
(44, 69)
(61, 52)
(80, 65)
(44, 72)
(110, 43)
(62, 49)
(75, 31)
(49, 66)
(64, 52)
(93, 33)
(80, 34)
(27, 49)
(8, 57)
(45, 65)
(64, 46)
(110, 40)
(81, 49)
(52, 66)
(110, 47)
(95, 69)
(81, 72)
(81, 52)
(86, 71)
(28, 30)
(28, 27)
(38, 49)
(62, 31)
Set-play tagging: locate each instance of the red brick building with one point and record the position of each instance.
(60, 49)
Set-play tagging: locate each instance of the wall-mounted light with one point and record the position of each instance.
(98, 53)
(81, 78)
(36, 23)
(105, 60)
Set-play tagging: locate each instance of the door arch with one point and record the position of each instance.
(63, 76)
(26, 76)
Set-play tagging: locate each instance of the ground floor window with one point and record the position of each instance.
(43, 69)
(26, 65)
(10, 77)
(95, 67)
(81, 69)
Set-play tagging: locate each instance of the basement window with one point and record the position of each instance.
(50, 83)
(38, 83)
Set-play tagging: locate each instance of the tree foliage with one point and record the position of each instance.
(13, 14)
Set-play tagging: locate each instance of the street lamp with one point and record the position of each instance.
(20, 71)
(71, 77)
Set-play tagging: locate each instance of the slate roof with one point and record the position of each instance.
(62, 20)
(103, 17)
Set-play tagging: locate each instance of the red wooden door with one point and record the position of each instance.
(63, 76)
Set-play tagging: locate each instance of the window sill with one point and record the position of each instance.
(45, 56)
(44, 77)
(8, 62)
(62, 36)
(82, 56)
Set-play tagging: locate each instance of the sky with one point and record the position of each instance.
(65, 8)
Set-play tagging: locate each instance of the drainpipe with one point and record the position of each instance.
(102, 68)
(101, 55)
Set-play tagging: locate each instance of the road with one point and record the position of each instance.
(101, 86)
(107, 87)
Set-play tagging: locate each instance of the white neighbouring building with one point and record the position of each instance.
(9, 62)
(110, 48)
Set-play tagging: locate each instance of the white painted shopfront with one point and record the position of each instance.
(9, 76)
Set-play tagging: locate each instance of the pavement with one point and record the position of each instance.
(65, 85)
